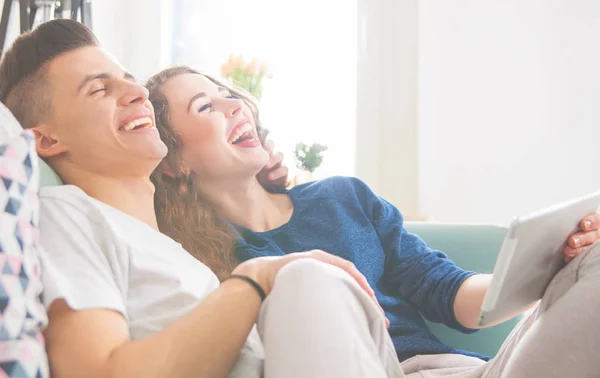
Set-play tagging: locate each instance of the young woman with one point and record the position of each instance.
(214, 139)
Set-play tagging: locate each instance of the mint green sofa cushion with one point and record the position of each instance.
(47, 175)
(474, 248)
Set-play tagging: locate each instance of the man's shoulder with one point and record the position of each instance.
(69, 204)
(65, 194)
(67, 210)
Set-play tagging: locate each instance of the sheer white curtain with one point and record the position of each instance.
(387, 111)
(311, 49)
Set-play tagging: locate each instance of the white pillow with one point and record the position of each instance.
(22, 315)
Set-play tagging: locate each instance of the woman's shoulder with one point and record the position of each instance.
(335, 187)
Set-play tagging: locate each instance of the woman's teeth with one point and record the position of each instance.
(140, 123)
(240, 131)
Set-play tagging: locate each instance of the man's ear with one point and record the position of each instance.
(46, 142)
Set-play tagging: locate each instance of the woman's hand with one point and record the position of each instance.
(264, 270)
(579, 241)
(275, 173)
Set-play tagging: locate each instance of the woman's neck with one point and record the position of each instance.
(246, 203)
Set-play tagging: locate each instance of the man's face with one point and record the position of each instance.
(101, 120)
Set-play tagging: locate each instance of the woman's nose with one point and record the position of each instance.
(233, 107)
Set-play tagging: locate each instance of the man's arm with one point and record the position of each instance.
(88, 334)
(95, 343)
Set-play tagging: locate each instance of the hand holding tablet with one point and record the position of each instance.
(532, 253)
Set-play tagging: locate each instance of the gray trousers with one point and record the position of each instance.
(317, 323)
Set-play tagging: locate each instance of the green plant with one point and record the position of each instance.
(309, 157)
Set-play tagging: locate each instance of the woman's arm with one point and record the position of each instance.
(425, 278)
(95, 343)
(440, 290)
(469, 299)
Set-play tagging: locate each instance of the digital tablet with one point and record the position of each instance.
(531, 254)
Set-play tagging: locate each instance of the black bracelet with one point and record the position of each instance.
(254, 284)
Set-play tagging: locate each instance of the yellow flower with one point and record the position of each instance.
(252, 67)
(234, 62)
(225, 69)
(237, 61)
(264, 70)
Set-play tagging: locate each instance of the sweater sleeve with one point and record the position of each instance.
(426, 278)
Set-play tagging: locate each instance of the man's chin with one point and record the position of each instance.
(160, 150)
(147, 150)
(141, 160)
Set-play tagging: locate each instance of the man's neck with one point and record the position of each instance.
(133, 195)
(246, 203)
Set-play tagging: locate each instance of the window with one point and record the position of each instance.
(310, 47)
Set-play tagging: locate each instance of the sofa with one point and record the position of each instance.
(472, 247)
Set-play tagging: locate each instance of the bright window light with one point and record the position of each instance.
(310, 47)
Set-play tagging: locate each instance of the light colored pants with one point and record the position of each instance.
(317, 323)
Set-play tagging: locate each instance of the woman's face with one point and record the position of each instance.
(217, 131)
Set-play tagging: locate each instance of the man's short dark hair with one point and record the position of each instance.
(23, 69)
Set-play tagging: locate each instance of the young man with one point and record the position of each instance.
(124, 300)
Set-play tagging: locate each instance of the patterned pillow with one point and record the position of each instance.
(22, 315)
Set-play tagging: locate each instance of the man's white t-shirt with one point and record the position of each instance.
(97, 257)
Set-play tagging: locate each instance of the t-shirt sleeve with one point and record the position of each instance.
(76, 249)
(426, 278)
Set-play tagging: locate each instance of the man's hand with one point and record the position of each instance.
(264, 270)
(274, 175)
(589, 234)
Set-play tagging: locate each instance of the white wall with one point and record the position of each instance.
(135, 32)
(386, 142)
(509, 106)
